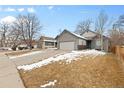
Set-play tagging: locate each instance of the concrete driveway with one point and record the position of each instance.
(37, 57)
(9, 77)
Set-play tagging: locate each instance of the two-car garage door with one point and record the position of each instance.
(67, 45)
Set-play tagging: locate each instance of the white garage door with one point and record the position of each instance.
(67, 45)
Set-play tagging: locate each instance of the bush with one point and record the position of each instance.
(25, 47)
(20, 48)
(14, 48)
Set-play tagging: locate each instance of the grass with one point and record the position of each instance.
(102, 71)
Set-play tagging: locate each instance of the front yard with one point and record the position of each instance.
(80, 69)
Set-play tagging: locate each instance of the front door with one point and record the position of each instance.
(89, 44)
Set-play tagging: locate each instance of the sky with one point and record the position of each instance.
(54, 18)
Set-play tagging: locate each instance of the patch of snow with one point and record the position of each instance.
(68, 57)
(27, 54)
(51, 83)
(78, 35)
(5, 48)
(52, 48)
(50, 40)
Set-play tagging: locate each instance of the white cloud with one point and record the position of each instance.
(8, 19)
(10, 9)
(31, 10)
(50, 7)
(21, 9)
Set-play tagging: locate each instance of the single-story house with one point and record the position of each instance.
(87, 40)
(47, 42)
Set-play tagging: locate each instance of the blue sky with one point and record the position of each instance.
(54, 18)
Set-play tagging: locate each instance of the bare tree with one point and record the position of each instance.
(100, 26)
(4, 28)
(33, 26)
(29, 26)
(83, 26)
(117, 32)
(59, 31)
(15, 37)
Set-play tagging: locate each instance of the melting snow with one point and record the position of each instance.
(31, 53)
(68, 57)
(52, 83)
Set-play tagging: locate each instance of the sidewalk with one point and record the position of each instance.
(9, 77)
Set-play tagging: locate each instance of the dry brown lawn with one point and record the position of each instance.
(102, 71)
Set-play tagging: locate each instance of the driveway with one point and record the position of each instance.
(9, 77)
(37, 57)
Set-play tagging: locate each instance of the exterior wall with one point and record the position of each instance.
(81, 42)
(95, 46)
(106, 44)
(40, 43)
(35, 46)
(88, 34)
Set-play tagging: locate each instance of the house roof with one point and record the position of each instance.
(79, 36)
(74, 34)
(47, 38)
(89, 31)
(34, 42)
(94, 33)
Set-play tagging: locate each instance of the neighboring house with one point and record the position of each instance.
(47, 42)
(88, 40)
(70, 41)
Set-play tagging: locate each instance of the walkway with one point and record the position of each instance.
(9, 77)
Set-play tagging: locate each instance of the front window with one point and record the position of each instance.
(49, 43)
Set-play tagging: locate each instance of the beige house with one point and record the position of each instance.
(47, 42)
(88, 40)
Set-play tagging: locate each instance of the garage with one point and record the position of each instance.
(69, 41)
(67, 45)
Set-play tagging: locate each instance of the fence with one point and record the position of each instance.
(119, 51)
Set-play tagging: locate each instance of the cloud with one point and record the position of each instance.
(21, 9)
(31, 10)
(10, 9)
(8, 19)
(50, 7)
